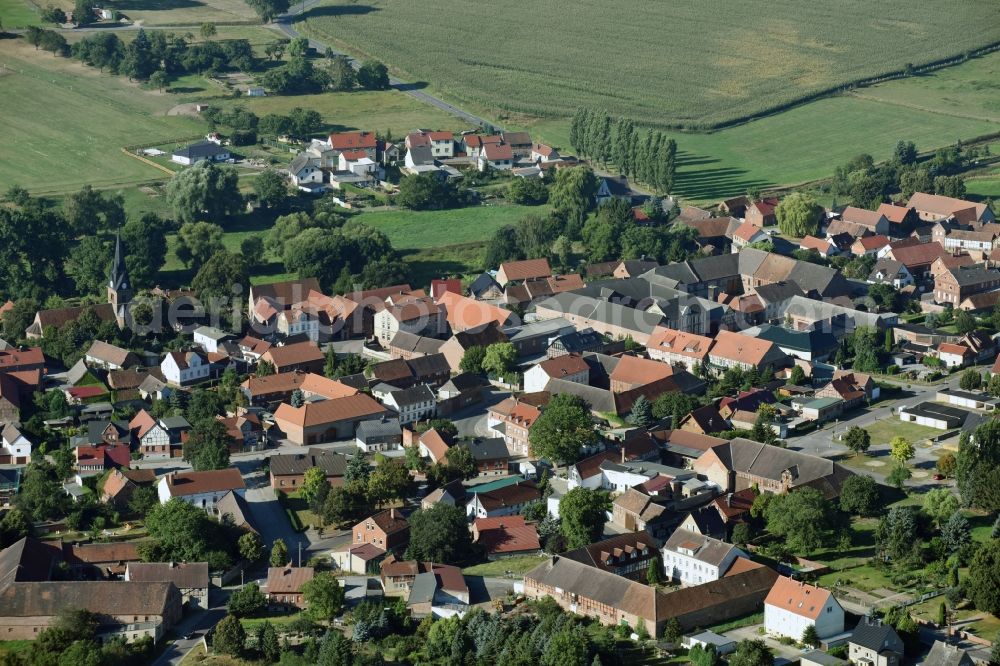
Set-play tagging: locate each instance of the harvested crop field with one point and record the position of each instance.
(694, 63)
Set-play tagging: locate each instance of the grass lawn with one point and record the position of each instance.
(188, 12)
(518, 564)
(986, 186)
(14, 647)
(883, 431)
(294, 503)
(18, 14)
(559, 61)
(410, 230)
(251, 623)
(66, 122)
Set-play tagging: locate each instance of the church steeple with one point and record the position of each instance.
(119, 284)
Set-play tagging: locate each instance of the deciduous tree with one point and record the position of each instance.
(798, 215)
(582, 513)
(439, 534)
(324, 596)
(562, 429)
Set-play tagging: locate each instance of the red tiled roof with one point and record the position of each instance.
(949, 348)
(506, 534)
(640, 371)
(526, 269)
(182, 484)
(329, 411)
(798, 598)
(352, 140)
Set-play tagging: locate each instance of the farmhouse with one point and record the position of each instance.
(791, 606)
(692, 559)
(288, 470)
(200, 152)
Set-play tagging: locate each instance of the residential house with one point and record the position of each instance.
(570, 368)
(360, 559)
(385, 434)
(288, 470)
(152, 437)
(513, 418)
(271, 390)
(245, 430)
(902, 218)
(824, 247)
(869, 246)
(326, 420)
(519, 142)
(742, 351)
(692, 559)
(350, 141)
(891, 272)
(954, 286)
(202, 151)
(761, 213)
(575, 342)
(408, 345)
(201, 489)
(505, 501)
(485, 288)
(978, 242)
(413, 312)
(543, 153)
(792, 605)
(633, 372)
(120, 484)
(954, 355)
(190, 578)
(875, 643)
(944, 654)
(108, 356)
(284, 586)
(916, 256)
(427, 586)
(505, 536)
(431, 369)
(628, 555)
(748, 233)
(416, 403)
(934, 207)
(461, 341)
(678, 348)
(296, 357)
(742, 463)
(705, 420)
(387, 530)
(182, 368)
(56, 318)
(474, 143)
(93, 460)
(16, 447)
(490, 456)
(305, 172)
(434, 445)
(873, 222)
(495, 156)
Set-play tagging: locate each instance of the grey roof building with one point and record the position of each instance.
(291, 464)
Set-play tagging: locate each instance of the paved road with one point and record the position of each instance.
(197, 624)
(286, 24)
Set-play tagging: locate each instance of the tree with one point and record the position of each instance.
(947, 464)
(896, 535)
(898, 475)
(901, 449)
(886, 297)
(324, 596)
(983, 580)
(965, 322)
(342, 75)
(267, 642)
(207, 447)
(182, 532)
(197, 242)
(798, 215)
(387, 482)
(439, 534)
(88, 264)
(527, 191)
(83, 12)
(246, 601)
(562, 429)
(762, 430)
(810, 637)
(208, 30)
(357, 469)
(906, 152)
(971, 380)
(653, 576)
(229, 636)
(426, 192)
(859, 496)
(978, 467)
(145, 242)
(311, 482)
(252, 249)
(271, 188)
(802, 518)
(52, 14)
(373, 75)
(742, 534)
(797, 376)
(159, 80)
(500, 358)
(462, 462)
(205, 191)
(572, 194)
(250, 546)
(751, 652)
(40, 495)
(90, 211)
(642, 412)
(939, 504)
(949, 186)
(857, 439)
(279, 553)
(582, 514)
(472, 359)
(956, 532)
(268, 10)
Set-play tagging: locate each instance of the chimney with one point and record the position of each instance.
(392, 513)
(623, 453)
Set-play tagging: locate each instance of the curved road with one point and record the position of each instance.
(285, 23)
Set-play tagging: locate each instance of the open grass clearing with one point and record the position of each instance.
(517, 565)
(560, 60)
(19, 14)
(428, 229)
(66, 122)
(184, 12)
(884, 430)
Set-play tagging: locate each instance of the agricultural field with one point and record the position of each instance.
(660, 63)
(185, 12)
(65, 123)
(806, 142)
(18, 14)
(410, 230)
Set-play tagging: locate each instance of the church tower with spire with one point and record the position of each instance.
(119, 284)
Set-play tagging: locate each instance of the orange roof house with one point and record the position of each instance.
(527, 269)
(465, 313)
(505, 535)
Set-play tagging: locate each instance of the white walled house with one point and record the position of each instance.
(570, 368)
(305, 170)
(412, 404)
(201, 489)
(16, 447)
(792, 605)
(692, 559)
(180, 368)
(209, 337)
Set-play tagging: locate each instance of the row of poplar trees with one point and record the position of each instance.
(649, 159)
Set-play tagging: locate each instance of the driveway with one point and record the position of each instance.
(197, 623)
(272, 522)
(783, 654)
